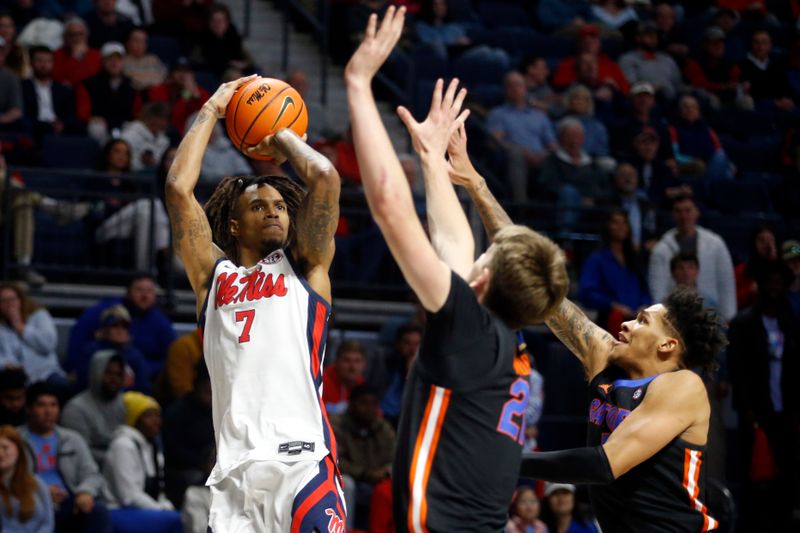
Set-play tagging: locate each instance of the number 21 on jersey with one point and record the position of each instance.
(512, 418)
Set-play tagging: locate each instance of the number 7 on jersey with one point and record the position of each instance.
(247, 316)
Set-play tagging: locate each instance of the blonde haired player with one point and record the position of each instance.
(257, 259)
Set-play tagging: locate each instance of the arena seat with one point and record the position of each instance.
(503, 15)
(480, 65)
(168, 49)
(63, 151)
(735, 197)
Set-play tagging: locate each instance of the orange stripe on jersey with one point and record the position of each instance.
(692, 461)
(424, 452)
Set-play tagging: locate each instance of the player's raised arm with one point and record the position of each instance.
(676, 405)
(589, 342)
(449, 229)
(387, 190)
(191, 233)
(318, 215)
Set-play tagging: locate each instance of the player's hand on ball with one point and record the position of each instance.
(444, 117)
(269, 146)
(376, 46)
(219, 100)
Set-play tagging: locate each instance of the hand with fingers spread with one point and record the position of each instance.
(376, 46)
(459, 167)
(219, 101)
(445, 116)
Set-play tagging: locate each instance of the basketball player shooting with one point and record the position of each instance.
(461, 429)
(649, 414)
(257, 259)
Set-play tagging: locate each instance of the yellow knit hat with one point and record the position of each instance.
(137, 403)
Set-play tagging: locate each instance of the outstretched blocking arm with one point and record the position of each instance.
(449, 229)
(318, 215)
(589, 342)
(386, 188)
(676, 405)
(191, 232)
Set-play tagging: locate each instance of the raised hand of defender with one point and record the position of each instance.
(222, 96)
(459, 167)
(376, 46)
(431, 136)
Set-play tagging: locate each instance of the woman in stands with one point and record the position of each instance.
(524, 512)
(763, 250)
(28, 338)
(561, 513)
(25, 500)
(611, 280)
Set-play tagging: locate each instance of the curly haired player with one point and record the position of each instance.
(257, 259)
(649, 413)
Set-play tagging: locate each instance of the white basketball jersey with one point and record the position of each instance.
(264, 334)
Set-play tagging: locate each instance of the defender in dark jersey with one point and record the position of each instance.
(649, 414)
(462, 423)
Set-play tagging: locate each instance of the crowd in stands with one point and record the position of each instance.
(643, 121)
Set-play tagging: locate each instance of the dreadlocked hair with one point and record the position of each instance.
(701, 329)
(221, 207)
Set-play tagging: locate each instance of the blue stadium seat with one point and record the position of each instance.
(62, 151)
(487, 95)
(428, 65)
(736, 197)
(207, 81)
(520, 42)
(503, 15)
(461, 11)
(168, 49)
(481, 65)
(754, 155)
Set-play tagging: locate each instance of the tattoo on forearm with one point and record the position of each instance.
(202, 116)
(576, 331)
(306, 161)
(491, 212)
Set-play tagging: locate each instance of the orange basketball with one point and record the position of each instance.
(262, 107)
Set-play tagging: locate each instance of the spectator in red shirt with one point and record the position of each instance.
(711, 71)
(181, 92)
(76, 61)
(608, 70)
(346, 372)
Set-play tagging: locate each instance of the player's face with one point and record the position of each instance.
(262, 219)
(642, 337)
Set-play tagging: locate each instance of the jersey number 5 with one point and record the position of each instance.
(512, 419)
(246, 315)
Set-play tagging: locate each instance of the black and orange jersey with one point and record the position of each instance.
(462, 425)
(665, 492)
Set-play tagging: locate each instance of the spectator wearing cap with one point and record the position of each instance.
(716, 268)
(106, 24)
(711, 71)
(12, 396)
(150, 329)
(628, 196)
(563, 15)
(134, 469)
(562, 513)
(656, 178)
(189, 444)
(96, 412)
(145, 70)
(790, 253)
(347, 373)
(181, 91)
(646, 63)
(61, 458)
(608, 72)
(28, 338)
(764, 355)
(525, 132)
(147, 138)
(49, 105)
(764, 77)
(76, 61)
(697, 148)
(11, 105)
(107, 100)
(569, 174)
(113, 335)
(365, 442)
(642, 113)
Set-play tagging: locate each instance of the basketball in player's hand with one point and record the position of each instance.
(262, 107)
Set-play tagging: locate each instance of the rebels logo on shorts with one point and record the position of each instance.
(335, 524)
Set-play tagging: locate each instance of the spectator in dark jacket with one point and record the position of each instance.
(62, 459)
(656, 177)
(189, 438)
(642, 113)
(712, 71)
(765, 361)
(697, 147)
(12, 396)
(151, 330)
(106, 24)
(366, 447)
(764, 77)
(221, 44)
(96, 412)
(49, 105)
(611, 278)
(627, 195)
(406, 344)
